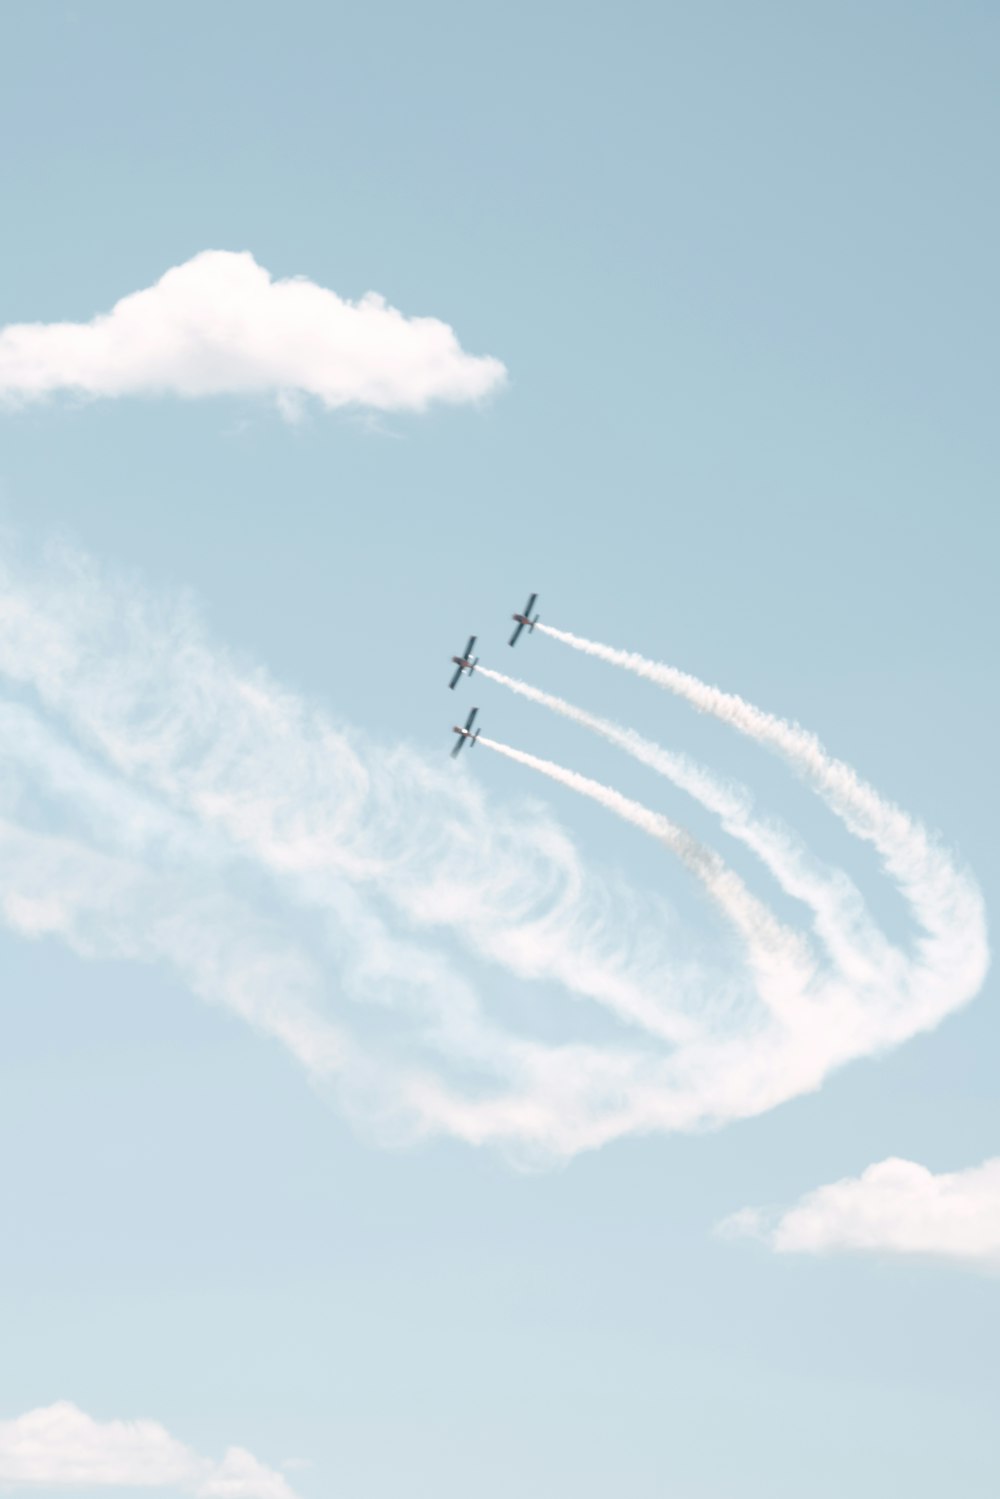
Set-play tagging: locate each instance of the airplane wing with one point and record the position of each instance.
(468, 721)
(457, 746)
(514, 637)
(530, 604)
(458, 673)
(468, 649)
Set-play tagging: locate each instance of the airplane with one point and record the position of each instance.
(464, 734)
(524, 619)
(468, 662)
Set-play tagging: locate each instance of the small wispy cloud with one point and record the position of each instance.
(61, 1447)
(220, 325)
(895, 1207)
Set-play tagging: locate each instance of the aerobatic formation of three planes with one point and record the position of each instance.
(468, 663)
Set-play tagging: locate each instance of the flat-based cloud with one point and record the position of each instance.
(894, 1207)
(60, 1446)
(220, 325)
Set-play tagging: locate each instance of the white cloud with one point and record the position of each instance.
(894, 1207)
(383, 917)
(61, 1447)
(219, 325)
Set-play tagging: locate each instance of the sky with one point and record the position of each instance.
(622, 1116)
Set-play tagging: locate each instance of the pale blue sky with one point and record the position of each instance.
(740, 263)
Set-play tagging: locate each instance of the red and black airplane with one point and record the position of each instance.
(524, 619)
(464, 734)
(468, 662)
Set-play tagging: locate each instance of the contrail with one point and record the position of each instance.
(945, 900)
(841, 921)
(776, 953)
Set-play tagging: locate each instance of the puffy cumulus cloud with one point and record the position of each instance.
(895, 1207)
(59, 1446)
(219, 325)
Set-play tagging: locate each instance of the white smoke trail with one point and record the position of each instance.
(945, 901)
(854, 943)
(777, 955)
(163, 802)
(319, 806)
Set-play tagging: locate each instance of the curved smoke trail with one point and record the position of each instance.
(164, 801)
(841, 921)
(953, 952)
(778, 955)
